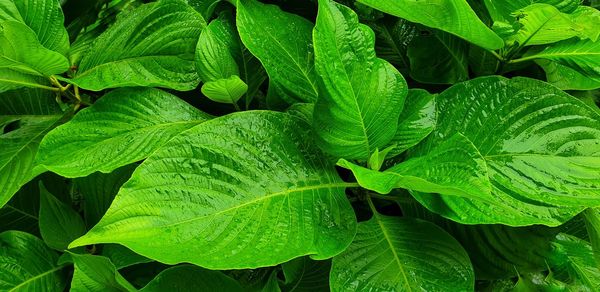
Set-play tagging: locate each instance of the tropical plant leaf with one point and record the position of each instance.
(28, 264)
(59, 223)
(28, 101)
(573, 262)
(44, 17)
(402, 254)
(306, 275)
(592, 226)
(124, 126)
(452, 16)
(502, 10)
(191, 278)
(97, 274)
(362, 94)
(455, 167)
(248, 175)
(228, 90)
(276, 37)
(21, 212)
(137, 51)
(438, 58)
(121, 256)
(582, 56)
(566, 78)
(392, 40)
(543, 167)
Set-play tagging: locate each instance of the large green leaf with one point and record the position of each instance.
(44, 17)
(416, 121)
(124, 126)
(438, 58)
(140, 50)
(566, 78)
(59, 223)
(540, 146)
(97, 274)
(19, 148)
(28, 264)
(21, 212)
(191, 278)
(228, 186)
(572, 261)
(28, 101)
(455, 167)
(23, 59)
(501, 10)
(392, 39)
(582, 56)
(402, 254)
(306, 275)
(452, 16)
(282, 42)
(362, 94)
(592, 228)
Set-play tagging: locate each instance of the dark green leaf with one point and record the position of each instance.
(191, 278)
(97, 274)
(59, 223)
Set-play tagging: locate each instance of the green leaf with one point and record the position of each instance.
(44, 17)
(592, 226)
(417, 120)
(218, 49)
(540, 146)
(59, 223)
(28, 101)
(228, 90)
(438, 58)
(402, 254)
(124, 126)
(540, 24)
(205, 7)
(378, 157)
(136, 51)
(97, 273)
(566, 78)
(99, 189)
(306, 275)
(21, 212)
(225, 184)
(392, 40)
(191, 278)
(452, 16)
(582, 56)
(362, 94)
(501, 10)
(28, 264)
(454, 168)
(121, 256)
(19, 148)
(276, 38)
(23, 59)
(572, 261)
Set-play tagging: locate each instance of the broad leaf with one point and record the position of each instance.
(139, 51)
(44, 17)
(28, 264)
(21, 212)
(306, 275)
(121, 256)
(28, 101)
(416, 121)
(282, 42)
(222, 185)
(23, 59)
(455, 167)
(438, 58)
(59, 223)
(19, 148)
(191, 278)
(502, 10)
(582, 56)
(205, 7)
(540, 146)
(228, 90)
(572, 261)
(592, 226)
(392, 40)
(566, 78)
(452, 16)
(402, 254)
(99, 189)
(124, 126)
(362, 94)
(97, 274)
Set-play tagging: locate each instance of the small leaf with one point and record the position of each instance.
(452, 16)
(362, 96)
(124, 126)
(191, 278)
(59, 223)
(377, 158)
(97, 274)
(276, 37)
(28, 264)
(402, 254)
(135, 51)
(242, 176)
(228, 90)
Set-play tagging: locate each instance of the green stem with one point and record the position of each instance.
(500, 58)
(372, 206)
(524, 59)
(237, 107)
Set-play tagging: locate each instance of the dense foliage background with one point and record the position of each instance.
(376, 145)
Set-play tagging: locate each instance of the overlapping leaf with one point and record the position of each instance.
(153, 45)
(217, 194)
(566, 78)
(502, 10)
(191, 278)
(124, 126)
(362, 95)
(97, 274)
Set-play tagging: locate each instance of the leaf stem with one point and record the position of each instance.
(371, 205)
(237, 107)
(522, 59)
(500, 58)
